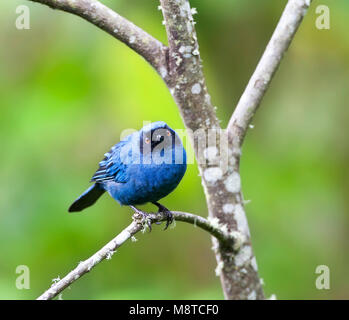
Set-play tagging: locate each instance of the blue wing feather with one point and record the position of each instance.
(112, 167)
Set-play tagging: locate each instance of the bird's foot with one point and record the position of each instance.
(143, 217)
(166, 212)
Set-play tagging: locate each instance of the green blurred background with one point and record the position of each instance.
(67, 91)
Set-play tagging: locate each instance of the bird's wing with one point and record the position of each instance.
(113, 166)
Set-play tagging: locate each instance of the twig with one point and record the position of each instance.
(250, 100)
(120, 28)
(109, 249)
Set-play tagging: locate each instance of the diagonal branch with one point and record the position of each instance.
(137, 225)
(120, 28)
(250, 100)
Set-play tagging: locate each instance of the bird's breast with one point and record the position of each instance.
(149, 182)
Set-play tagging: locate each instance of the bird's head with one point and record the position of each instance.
(154, 143)
(157, 133)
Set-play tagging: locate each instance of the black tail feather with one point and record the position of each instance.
(88, 198)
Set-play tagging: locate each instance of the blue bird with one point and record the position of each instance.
(144, 167)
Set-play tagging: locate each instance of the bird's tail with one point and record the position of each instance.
(88, 198)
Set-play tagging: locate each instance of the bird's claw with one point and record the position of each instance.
(143, 217)
(166, 212)
(169, 218)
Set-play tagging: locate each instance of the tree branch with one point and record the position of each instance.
(120, 28)
(136, 226)
(186, 80)
(221, 182)
(250, 100)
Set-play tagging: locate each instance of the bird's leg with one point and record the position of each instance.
(166, 212)
(144, 215)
